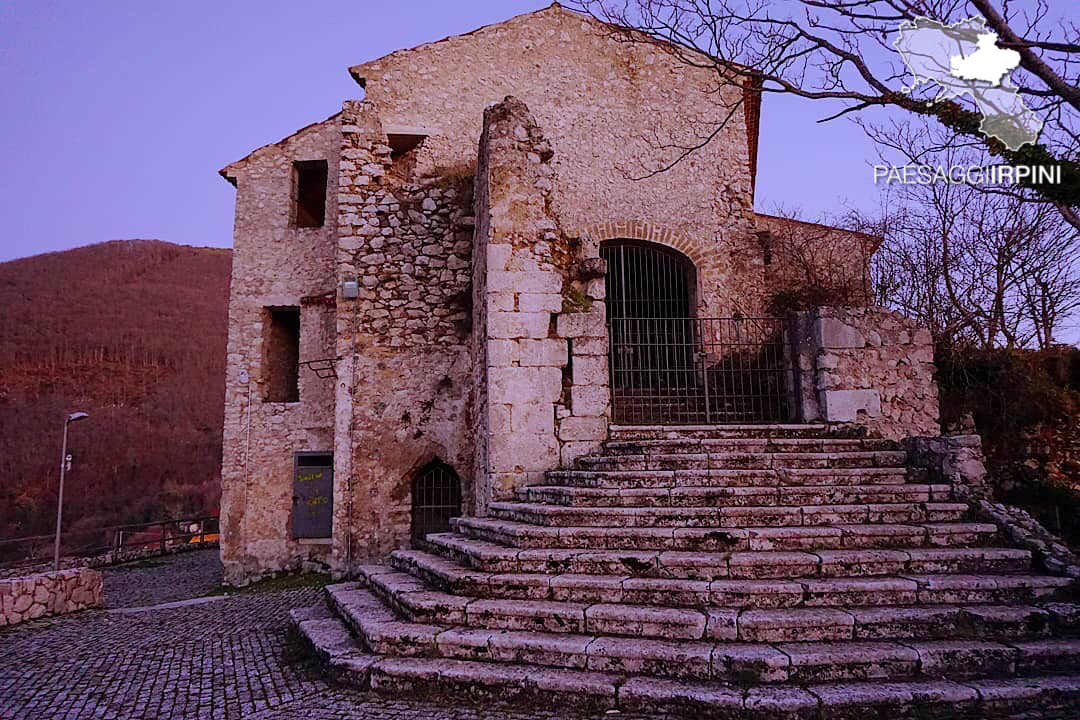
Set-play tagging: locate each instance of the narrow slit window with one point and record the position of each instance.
(310, 193)
(282, 358)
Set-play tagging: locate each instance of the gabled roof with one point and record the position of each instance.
(751, 96)
(229, 171)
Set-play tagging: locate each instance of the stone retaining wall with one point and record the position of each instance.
(868, 367)
(50, 593)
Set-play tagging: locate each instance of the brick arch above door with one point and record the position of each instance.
(649, 232)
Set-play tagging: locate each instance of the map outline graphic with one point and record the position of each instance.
(963, 59)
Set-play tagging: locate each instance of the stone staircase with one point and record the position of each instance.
(741, 571)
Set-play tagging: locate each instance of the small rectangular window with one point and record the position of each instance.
(282, 356)
(310, 193)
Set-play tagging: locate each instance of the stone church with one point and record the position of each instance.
(508, 361)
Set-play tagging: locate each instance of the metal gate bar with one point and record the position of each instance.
(436, 497)
(686, 371)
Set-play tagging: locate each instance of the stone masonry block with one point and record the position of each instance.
(540, 302)
(589, 400)
(590, 370)
(525, 384)
(502, 353)
(550, 352)
(518, 325)
(587, 324)
(845, 405)
(832, 333)
(583, 428)
(594, 345)
(504, 301)
(500, 418)
(498, 256)
(523, 452)
(532, 417)
(523, 281)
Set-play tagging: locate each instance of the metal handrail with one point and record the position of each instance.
(169, 535)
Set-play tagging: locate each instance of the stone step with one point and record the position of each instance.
(495, 558)
(754, 431)
(742, 460)
(383, 633)
(514, 680)
(822, 537)
(730, 478)
(727, 517)
(721, 496)
(748, 445)
(907, 589)
(592, 692)
(417, 602)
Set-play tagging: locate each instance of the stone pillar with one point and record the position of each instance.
(364, 159)
(953, 459)
(538, 334)
(584, 411)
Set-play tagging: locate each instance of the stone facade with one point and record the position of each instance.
(50, 593)
(454, 298)
(275, 264)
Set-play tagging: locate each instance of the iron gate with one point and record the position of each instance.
(436, 497)
(689, 371)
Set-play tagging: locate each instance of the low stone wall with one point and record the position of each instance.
(959, 461)
(954, 459)
(868, 367)
(112, 557)
(51, 593)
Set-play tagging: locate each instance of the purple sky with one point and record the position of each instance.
(119, 113)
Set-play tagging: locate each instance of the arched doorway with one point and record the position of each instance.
(646, 280)
(650, 297)
(436, 497)
(670, 367)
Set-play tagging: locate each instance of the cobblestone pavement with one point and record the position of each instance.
(181, 576)
(222, 659)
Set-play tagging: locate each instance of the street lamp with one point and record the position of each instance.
(73, 417)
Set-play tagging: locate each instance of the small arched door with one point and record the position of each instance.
(436, 497)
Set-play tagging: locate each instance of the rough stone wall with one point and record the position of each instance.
(605, 107)
(953, 459)
(805, 259)
(50, 593)
(403, 393)
(874, 368)
(275, 264)
(546, 395)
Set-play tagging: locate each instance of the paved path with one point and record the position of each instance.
(221, 659)
(161, 580)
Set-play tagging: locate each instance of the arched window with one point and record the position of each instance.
(436, 497)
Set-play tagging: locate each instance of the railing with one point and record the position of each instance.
(117, 541)
(688, 371)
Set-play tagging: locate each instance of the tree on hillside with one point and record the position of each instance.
(841, 50)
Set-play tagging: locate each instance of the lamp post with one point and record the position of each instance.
(60, 495)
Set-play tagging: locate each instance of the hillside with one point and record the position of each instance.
(133, 332)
